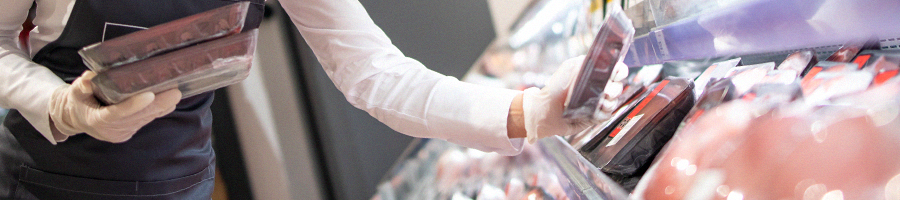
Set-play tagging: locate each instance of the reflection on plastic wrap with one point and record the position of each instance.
(193, 70)
(436, 169)
(744, 77)
(827, 85)
(713, 72)
(716, 93)
(799, 61)
(848, 51)
(884, 64)
(165, 37)
(584, 98)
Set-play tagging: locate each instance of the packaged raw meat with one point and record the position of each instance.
(599, 133)
(827, 85)
(215, 23)
(718, 92)
(626, 152)
(193, 70)
(713, 72)
(821, 154)
(885, 64)
(814, 76)
(847, 52)
(799, 61)
(647, 75)
(744, 77)
(609, 48)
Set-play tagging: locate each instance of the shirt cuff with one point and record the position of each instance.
(37, 113)
(473, 116)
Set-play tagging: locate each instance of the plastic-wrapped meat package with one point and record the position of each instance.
(647, 75)
(632, 95)
(609, 48)
(827, 85)
(626, 152)
(215, 23)
(809, 76)
(799, 61)
(828, 66)
(885, 64)
(715, 71)
(599, 133)
(846, 151)
(780, 77)
(717, 93)
(847, 52)
(744, 77)
(193, 70)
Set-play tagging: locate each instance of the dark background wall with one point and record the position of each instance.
(355, 149)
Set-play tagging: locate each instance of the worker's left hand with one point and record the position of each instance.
(543, 108)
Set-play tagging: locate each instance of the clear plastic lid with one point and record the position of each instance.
(608, 49)
(215, 23)
(193, 70)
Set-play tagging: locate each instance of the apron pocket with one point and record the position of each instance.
(46, 185)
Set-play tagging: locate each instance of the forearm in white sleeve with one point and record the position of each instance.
(399, 91)
(24, 85)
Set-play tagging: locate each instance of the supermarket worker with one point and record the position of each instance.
(59, 143)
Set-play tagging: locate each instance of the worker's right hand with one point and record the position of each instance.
(74, 110)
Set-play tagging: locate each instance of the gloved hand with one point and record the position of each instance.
(543, 108)
(74, 110)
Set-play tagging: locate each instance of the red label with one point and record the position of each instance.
(749, 96)
(639, 107)
(884, 76)
(861, 60)
(811, 74)
(696, 116)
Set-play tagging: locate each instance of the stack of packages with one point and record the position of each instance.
(195, 54)
(723, 129)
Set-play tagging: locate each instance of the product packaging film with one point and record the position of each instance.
(799, 61)
(885, 64)
(809, 82)
(718, 92)
(848, 51)
(774, 93)
(827, 85)
(713, 72)
(215, 23)
(600, 132)
(193, 70)
(744, 77)
(627, 149)
(690, 69)
(609, 47)
(647, 75)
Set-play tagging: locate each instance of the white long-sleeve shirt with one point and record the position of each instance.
(358, 57)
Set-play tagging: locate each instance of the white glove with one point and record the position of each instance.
(74, 110)
(543, 108)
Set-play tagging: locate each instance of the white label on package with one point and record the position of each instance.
(625, 129)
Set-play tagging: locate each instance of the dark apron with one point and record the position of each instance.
(169, 158)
